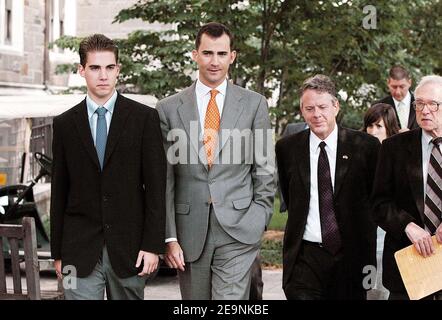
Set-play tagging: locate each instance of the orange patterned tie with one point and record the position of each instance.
(211, 127)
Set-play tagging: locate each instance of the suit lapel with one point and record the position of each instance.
(231, 111)
(188, 112)
(119, 118)
(84, 131)
(343, 158)
(412, 114)
(414, 171)
(303, 155)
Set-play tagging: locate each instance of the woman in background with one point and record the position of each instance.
(381, 122)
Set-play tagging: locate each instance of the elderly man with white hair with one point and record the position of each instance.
(408, 185)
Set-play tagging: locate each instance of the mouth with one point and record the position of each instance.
(214, 70)
(102, 85)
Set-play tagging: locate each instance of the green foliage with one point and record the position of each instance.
(281, 43)
(271, 253)
(278, 220)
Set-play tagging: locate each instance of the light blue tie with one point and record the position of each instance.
(101, 136)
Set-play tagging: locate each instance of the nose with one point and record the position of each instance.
(426, 110)
(215, 60)
(103, 74)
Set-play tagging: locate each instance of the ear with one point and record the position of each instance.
(81, 70)
(337, 107)
(232, 56)
(194, 55)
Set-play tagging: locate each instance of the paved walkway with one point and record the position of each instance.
(166, 287)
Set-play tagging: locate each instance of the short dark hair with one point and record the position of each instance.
(214, 30)
(385, 112)
(96, 42)
(399, 73)
(320, 83)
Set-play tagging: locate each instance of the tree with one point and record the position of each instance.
(281, 43)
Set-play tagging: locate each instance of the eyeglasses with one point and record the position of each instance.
(433, 106)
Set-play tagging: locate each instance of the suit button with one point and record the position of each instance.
(105, 199)
(107, 226)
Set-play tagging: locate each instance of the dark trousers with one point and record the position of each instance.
(318, 275)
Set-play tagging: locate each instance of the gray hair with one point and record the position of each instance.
(431, 79)
(320, 83)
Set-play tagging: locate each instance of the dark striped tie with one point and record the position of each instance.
(331, 238)
(433, 196)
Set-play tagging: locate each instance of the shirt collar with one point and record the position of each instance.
(406, 100)
(426, 139)
(331, 141)
(92, 106)
(202, 90)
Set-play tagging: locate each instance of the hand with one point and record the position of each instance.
(57, 266)
(150, 261)
(174, 256)
(420, 238)
(439, 233)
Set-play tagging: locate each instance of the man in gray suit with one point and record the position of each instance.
(219, 196)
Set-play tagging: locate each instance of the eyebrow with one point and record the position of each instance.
(98, 66)
(218, 52)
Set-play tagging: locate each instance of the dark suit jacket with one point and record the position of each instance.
(355, 167)
(398, 198)
(123, 206)
(290, 129)
(412, 124)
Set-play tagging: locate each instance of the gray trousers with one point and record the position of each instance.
(102, 279)
(222, 272)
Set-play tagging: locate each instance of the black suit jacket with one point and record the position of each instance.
(398, 198)
(412, 124)
(122, 206)
(290, 129)
(355, 167)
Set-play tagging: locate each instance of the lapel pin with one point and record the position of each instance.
(345, 157)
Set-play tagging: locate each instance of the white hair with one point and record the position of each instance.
(431, 79)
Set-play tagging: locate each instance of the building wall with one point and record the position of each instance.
(96, 16)
(25, 65)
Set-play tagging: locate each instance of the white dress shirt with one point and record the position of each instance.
(203, 97)
(92, 106)
(403, 110)
(313, 227)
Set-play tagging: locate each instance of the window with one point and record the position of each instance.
(57, 22)
(11, 25)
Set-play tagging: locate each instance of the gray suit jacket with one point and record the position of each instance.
(240, 191)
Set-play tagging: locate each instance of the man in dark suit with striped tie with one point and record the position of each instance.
(408, 186)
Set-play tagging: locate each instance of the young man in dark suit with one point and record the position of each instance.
(108, 185)
(326, 175)
(407, 194)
